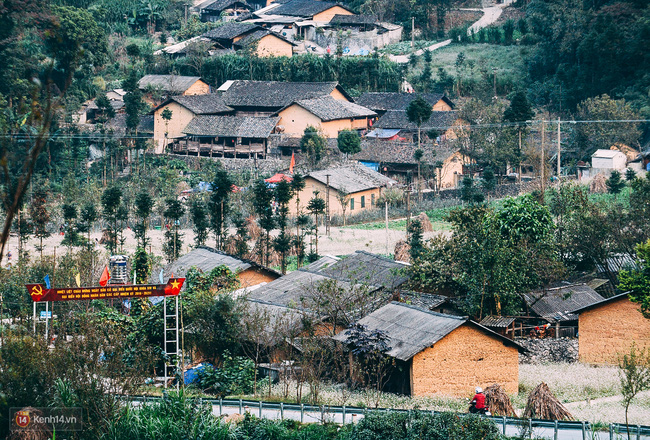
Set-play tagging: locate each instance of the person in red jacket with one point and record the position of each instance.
(477, 405)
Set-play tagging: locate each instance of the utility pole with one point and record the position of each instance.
(386, 227)
(542, 158)
(559, 162)
(412, 32)
(327, 206)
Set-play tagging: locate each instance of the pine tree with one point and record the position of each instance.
(282, 243)
(315, 207)
(88, 216)
(615, 183)
(39, 216)
(143, 207)
(173, 239)
(219, 206)
(71, 238)
(200, 220)
(262, 204)
(111, 202)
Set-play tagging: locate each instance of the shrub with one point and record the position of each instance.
(236, 376)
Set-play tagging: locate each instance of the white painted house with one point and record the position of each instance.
(608, 160)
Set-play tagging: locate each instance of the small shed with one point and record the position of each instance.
(608, 160)
(503, 325)
(442, 354)
(206, 258)
(608, 328)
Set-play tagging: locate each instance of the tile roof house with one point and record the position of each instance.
(395, 158)
(608, 328)
(558, 303)
(173, 85)
(264, 98)
(318, 11)
(233, 135)
(327, 114)
(206, 259)
(442, 354)
(184, 109)
(356, 186)
(384, 101)
(242, 35)
(218, 10)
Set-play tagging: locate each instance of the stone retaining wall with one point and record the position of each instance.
(549, 350)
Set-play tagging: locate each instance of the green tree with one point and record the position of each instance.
(241, 236)
(200, 221)
(349, 142)
(106, 110)
(635, 377)
(469, 193)
(262, 204)
(313, 145)
(69, 211)
(302, 220)
(416, 245)
(418, 112)
(143, 208)
(111, 202)
(518, 114)
(630, 174)
(219, 206)
(615, 183)
(316, 207)
(40, 217)
(87, 217)
(172, 247)
(282, 243)
(637, 281)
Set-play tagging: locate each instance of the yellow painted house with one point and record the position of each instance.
(183, 110)
(354, 187)
(174, 85)
(245, 35)
(327, 114)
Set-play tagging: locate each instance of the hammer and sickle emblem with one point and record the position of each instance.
(37, 290)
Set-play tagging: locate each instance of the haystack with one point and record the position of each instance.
(598, 184)
(402, 249)
(34, 431)
(425, 222)
(498, 401)
(542, 404)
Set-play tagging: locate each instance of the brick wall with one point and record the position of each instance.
(463, 359)
(253, 277)
(608, 331)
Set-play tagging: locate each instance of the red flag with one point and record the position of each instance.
(105, 277)
(293, 162)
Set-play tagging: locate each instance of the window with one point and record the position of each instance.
(363, 201)
(372, 200)
(351, 203)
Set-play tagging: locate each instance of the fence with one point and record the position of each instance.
(510, 426)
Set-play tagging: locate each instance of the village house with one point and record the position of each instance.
(235, 136)
(608, 328)
(222, 10)
(556, 306)
(159, 87)
(351, 188)
(442, 354)
(266, 98)
(395, 159)
(205, 258)
(382, 102)
(236, 36)
(183, 110)
(328, 115)
(608, 160)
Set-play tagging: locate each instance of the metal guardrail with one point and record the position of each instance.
(526, 426)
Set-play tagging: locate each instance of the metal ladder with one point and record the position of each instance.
(171, 345)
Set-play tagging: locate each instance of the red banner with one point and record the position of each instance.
(39, 292)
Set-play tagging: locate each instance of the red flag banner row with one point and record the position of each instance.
(39, 292)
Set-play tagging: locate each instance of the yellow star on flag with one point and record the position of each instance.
(175, 285)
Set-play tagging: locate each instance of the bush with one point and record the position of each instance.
(236, 376)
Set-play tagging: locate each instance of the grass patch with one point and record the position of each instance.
(404, 47)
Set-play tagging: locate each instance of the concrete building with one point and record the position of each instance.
(607, 330)
(442, 354)
(608, 160)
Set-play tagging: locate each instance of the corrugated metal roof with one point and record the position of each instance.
(168, 83)
(230, 30)
(401, 152)
(305, 8)
(497, 321)
(321, 263)
(292, 290)
(352, 178)
(410, 329)
(556, 304)
(366, 268)
(427, 301)
(619, 297)
(206, 259)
